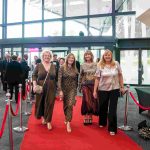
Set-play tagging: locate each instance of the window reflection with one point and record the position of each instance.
(101, 26)
(52, 9)
(125, 5)
(130, 27)
(76, 8)
(33, 10)
(14, 11)
(129, 66)
(105, 6)
(1, 6)
(73, 27)
(53, 28)
(145, 68)
(0, 32)
(14, 31)
(33, 30)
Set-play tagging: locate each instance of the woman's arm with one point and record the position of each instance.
(122, 90)
(60, 74)
(96, 87)
(80, 79)
(34, 77)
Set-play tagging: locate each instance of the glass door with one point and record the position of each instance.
(145, 67)
(79, 53)
(129, 61)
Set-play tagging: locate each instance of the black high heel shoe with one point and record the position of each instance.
(90, 121)
(85, 122)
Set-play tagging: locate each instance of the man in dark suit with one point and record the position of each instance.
(56, 63)
(5, 62)
(13, 76)
(26, 69)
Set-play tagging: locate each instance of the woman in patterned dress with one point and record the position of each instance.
(109, 82)
(45, 102)
(86, 85)
(67, 86)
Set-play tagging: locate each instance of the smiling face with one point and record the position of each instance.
(88, 57)
(46, 57)
(70, 59)
(107, 56)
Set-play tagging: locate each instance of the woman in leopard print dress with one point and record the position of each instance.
(67, 86)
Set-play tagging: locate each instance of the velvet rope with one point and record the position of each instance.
(17, 107)
(142, 107)
(4, 120)
(26, 90)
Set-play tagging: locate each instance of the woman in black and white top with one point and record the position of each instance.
(109, 82)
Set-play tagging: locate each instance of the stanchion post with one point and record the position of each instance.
(11, 144)
(26, 113)
(125, 127)
(20, 128)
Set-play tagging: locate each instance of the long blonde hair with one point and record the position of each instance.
(73, 65)
(102, 62)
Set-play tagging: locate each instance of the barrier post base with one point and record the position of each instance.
(125, 128)
(27, 113)
(20, 129)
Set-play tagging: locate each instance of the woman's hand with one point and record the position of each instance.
(95, 94)
(61, 95)
(122, 90)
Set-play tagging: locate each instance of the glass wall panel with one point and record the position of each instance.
(14, 31)
(125, 5)
(52, 9)
(33, 10)
(79, 53)
(97, 51)
(130, 27)
(0, 32)
(73, 27)
(76, 8)
(14, 11)
(101, 26)
(129, 65)
(6, 51)
(17, 51)
(32, 52)
(33, 30)
(145, 68)
(53, 28)
(1, 9)
(104, 7)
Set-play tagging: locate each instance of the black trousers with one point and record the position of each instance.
(108, 108)
(11, 87)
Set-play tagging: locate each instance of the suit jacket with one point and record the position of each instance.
(25, 69)
(13, 72)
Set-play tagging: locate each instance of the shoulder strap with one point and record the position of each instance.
(47, 75)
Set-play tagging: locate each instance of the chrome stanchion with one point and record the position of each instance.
(26, 113)
(11, 144)
(125, 127)
(20, 128)
(28, 93)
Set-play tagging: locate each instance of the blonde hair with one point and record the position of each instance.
(88, 52)
(46, 51)
(102, 62)
(73, 65)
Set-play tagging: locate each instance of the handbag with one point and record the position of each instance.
(39, 88)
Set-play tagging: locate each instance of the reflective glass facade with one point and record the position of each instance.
(68, 17)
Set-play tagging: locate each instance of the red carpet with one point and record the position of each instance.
(81, 138)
